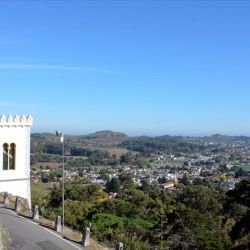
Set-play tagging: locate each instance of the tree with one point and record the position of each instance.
(237, 207)
(200, 198)
(127, 158)
(76, 213)
(240, 172)
(126, 180)
(162, 180)
(192, 230)
(185, 180)
(113, 185)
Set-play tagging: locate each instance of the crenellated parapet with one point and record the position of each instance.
(9, 120)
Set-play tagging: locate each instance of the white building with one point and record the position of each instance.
(15, 155)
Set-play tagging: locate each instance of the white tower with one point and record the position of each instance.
(15, 155)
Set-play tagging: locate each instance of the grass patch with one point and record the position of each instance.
(49, 164)
(40, 193)
(246, 167)
(72, 234)
(118, 152)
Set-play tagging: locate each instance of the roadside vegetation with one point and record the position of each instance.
(199, 216)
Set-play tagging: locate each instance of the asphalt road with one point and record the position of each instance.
(26, 235)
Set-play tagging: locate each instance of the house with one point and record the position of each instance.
(112, 195)
(168, 185)
(230, 184)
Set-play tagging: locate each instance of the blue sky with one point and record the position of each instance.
(140, 67)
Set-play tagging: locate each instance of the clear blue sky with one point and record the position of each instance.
(140, 67)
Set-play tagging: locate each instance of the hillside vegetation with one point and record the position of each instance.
(111, 182)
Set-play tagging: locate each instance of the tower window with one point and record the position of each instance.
(9, 156)
(12, 156)
(5, 156)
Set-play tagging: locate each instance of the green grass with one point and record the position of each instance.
(40, 187)
(165, 163)
(40, 193)
(246, 167)
(116, 151)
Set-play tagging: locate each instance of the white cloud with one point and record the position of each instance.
(51, 67)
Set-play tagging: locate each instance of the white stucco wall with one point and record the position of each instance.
(16, 182)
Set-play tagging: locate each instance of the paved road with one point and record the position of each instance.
(25, 235)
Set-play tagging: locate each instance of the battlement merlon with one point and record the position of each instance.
(15, 121)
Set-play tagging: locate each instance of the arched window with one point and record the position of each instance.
(5, 156)
(12, 156)
(9, 156)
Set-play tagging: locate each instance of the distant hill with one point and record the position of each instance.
(226, 138)
(107, 134)
(104, 138)
(107, 138)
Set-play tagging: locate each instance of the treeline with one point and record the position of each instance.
(79, 157)
(105, 158)
(41, 157)
(51, 152)
(200, 216)
(147, 145)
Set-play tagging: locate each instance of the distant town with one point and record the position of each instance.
(146, 192)
(163, 160)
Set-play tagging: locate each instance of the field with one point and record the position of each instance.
(47, 164)
(166, 163)
(246, 167)
(116, 151)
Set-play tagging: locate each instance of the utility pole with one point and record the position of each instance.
(61, 136)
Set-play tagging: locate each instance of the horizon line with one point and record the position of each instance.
(146, 135)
